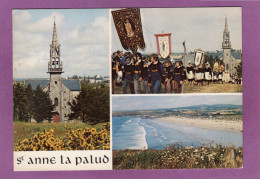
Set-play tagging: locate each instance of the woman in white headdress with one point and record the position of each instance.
(190, 73)
(207, 71)
(220, 73)
(199, 75)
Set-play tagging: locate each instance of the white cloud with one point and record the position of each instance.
(20, 17)
(84, 47)
(45, 24)
(94, 33)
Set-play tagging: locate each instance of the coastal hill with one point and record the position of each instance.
(216, 110)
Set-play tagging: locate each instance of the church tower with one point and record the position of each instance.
(55, 71)
(226, 46)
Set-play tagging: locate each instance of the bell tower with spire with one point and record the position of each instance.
(226, 46)
(55, 71)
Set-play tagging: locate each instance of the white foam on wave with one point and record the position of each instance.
(130, 120)
(131, 135)
(163, 136)
(155, 133)
(140, 138)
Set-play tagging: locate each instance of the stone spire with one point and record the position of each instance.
(226, 25)
(54, 35)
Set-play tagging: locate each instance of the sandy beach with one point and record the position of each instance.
(214, 124)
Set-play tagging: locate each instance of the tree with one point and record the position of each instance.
(217, 58)
(20, 102)
(30, 95)
(75, 77)
(210, 59)
(239, 69)
(42, 106)
(91, 105)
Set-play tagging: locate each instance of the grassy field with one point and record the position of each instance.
(176, 157)
(212, 88)
(24, 130)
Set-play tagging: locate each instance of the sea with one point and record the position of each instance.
(145, 133)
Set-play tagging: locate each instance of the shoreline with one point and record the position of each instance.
(214, 124)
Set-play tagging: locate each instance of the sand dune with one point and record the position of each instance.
(214, 124)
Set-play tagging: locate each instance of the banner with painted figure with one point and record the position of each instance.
(163, 44)
(199, 57)
(129, 28)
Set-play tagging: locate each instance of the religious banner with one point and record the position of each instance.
(129, 28)
(199, 57)
(216, 67)
(163, 44)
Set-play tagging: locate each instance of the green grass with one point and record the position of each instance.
(176, 157)
(212, 88)
(24, 130)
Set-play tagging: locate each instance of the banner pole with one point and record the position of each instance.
(184, 62)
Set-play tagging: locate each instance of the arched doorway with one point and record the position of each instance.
(56, 118)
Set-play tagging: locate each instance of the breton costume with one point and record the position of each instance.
(207, 72)
(199, 75)
(156, 76)
(128, 73)
(215, 76)
(190, 73)
(220, 73)
(144, 75)
(168, 75)
(178, 77)
(137, 76)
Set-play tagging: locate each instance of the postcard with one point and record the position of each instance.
(128, 89)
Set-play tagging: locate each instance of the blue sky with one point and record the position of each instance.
(120, 103)
(200, 27)
(83, 35)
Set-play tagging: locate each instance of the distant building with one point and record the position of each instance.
(60, 91)
(106, 78)
(96, 79)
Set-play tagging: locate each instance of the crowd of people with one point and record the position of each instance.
(143, 75)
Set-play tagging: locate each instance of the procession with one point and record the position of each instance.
(147, 65)
(147, 74)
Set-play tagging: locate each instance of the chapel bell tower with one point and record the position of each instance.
(226, 46)
(55, 70)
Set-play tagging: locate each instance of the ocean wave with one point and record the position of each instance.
(130, 120)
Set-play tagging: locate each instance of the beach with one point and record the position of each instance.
(212, 124)
(157, 133)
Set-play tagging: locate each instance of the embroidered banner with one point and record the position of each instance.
(129, 28)
(163, 44)
(199, 57)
